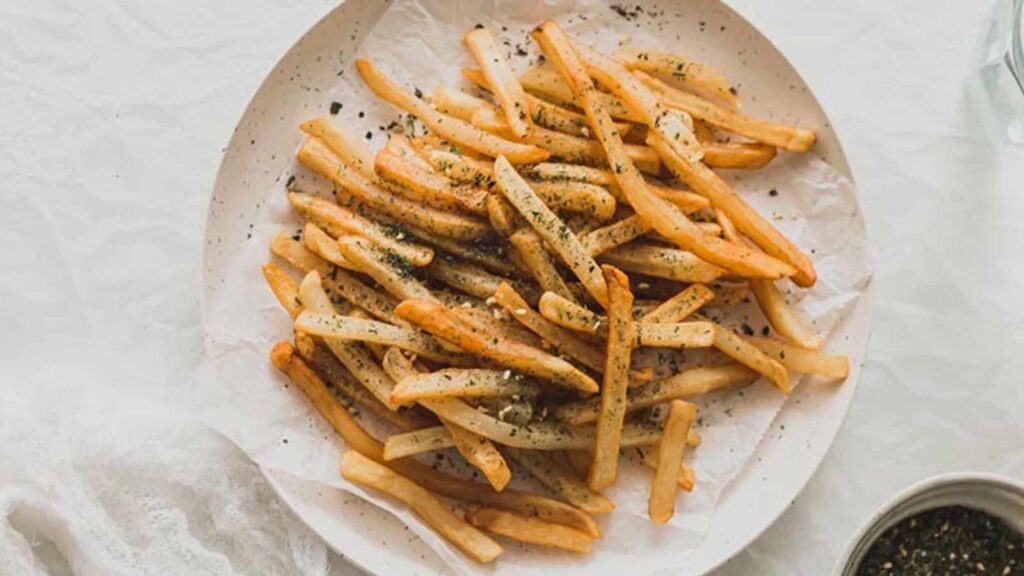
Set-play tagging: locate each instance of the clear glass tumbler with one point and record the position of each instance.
(997, 87)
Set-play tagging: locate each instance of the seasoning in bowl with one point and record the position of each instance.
(946, 540)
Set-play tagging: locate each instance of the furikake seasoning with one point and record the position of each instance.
(947, 540)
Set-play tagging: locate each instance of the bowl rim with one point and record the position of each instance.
(915, 489)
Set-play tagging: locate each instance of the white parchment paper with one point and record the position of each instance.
(418, 44)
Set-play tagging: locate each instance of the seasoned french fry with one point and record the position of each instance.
(659, 262)
(676, 335)
(440, 321)
(551, 229)
(417, 442)
(549, 471)
(685, 384)
(562, 340)
(680, 306)
(741, 350)
(351, 150)
(284, 288)
(804, 361)
(503, 216)
(317, 157)
(293, 252)
(339, 221)
(621, 331)
(663, 217)
(488, 252)
(415, 183)
(358, 329)
(482, 454)
(727, 295)
(470, 279)
(462, 169)
(388, 270)
(736, 155)
(539, 262)
(670, 458)
(462, 383)
(568, 314)
(447, 127)
(401, 147)
(578, 197)
(693, 76)
(362, 470)
(687, 477)
(501, 80)
(622, 232)
(486, 322)
(458, 104)
(785, 137)
(549, 84)
(529, 530)
(321, 244)
(586, 151)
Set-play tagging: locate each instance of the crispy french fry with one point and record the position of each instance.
(730, 294)
(470, 279)
(551, 229)
(539, 262)
(785, 137)
(462, 383)
(659, 262)
(338, 221)
(662, 216)
(621, 331)
(320, 243)
(358, 329)
(317, 157)
(351, 150)
(293, 252)
(804, 361)
(617, 234)
(362, 470)
(482, 454)
(501, 80)
(284, 288)
(680, 306)
(487, 251)
(741, 350)
(442, 323)
(417, 442)
(676, 335)
(462, 169)
(503, 216)
(670, 458)
(447, 127)
(687, 477)
(693, 76)
(510, 329)
(685, 384)
(529, 530)
(562, 340)
(551, 472)
(458, 104)
(420, 185)
(388, 270)
(568, 314)
(578, 197)
(400, 146)
(736, 155)
(549, 84)
(586, 151)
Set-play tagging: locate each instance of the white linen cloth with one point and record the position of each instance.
(112, 121)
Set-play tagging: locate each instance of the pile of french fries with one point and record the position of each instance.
(471, 287)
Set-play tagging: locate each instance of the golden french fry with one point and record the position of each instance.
(686, 384)
(420, 185)
(320, 243)
(462, 383)
(284, 288)
(529, 530)
(551, 472)
(401, 147)
(447, 127)
(539, 262)
(485, 321)
(317, 157)
(441, 322)
(388, 270)
(804, 361)
(586, 151)
(670, 458)
(785, 137)
(568, 314)
(549, 84)
(687, 477)
(458, 104)
(470, 279)
(578, 197)
(694, 76)
(676, 335)
(488, 252)
(621, 334)
(503, 216)
(680, 306)
(621, 232)
(501, 80)
(349, 328)
(462, 169)
(417, 442)
(351, 150)
(741, 350)
(736, 155)
(362, 470)
(482, 454)
(660, 262)
(293, 252)
(550, 228)
(728, 295)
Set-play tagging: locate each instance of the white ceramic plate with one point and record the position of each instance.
(260, 152)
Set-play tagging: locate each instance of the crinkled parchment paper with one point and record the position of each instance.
(419, 44)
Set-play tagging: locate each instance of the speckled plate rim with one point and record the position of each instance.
(774, 476)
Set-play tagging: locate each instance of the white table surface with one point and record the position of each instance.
(112, 119)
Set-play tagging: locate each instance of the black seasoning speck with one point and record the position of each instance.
(478, 26)
(335, 108)
(747, 330)
(369, 135)
(765, 330)
(291, 180)
(773, 192)
(362, 114)
(417, 92)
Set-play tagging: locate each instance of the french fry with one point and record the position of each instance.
(462, 383)
(785, 137)
(482, 454)
(317, 157)
(510, 329)
(680, 306)
(420, 185)
(293, 252)
(728, 295)
(704, 133)
(621, 331)
(578, 197)
(685, 384)
(539, 262)
(670, 458)
(804, 361)
(442, 323)
(676, 335)
(488, 252)
(529, 530)
(662, 216)
(549, 84)
(362, 470)
(447, 127)
(328, 405)
(568, 314)
(562, 340)
(503, 216)
(339, 221)
(616, 234)
(400, 146)
(458, 104)
(585, 151)
(501, 80)
(693, 76)
(741, 350)
(687, 477)
(551, 229)
(660, 262)
(737, 155)
(284, 288)
(320, 243)
(470, 279)
(550, 472)
(349, 149)
(358, 329)
(705, 182)
(462, 169)
(388, 270)
(417, 442)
